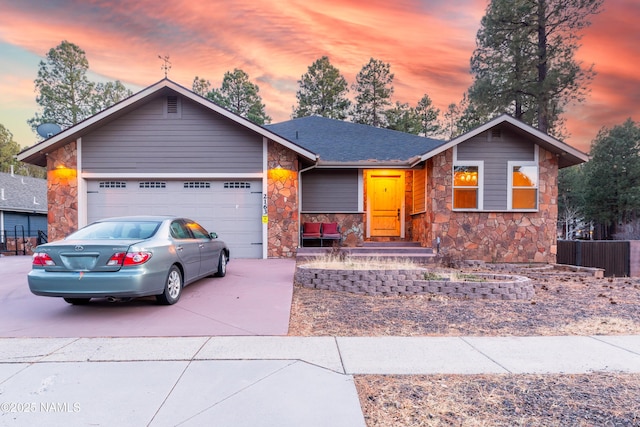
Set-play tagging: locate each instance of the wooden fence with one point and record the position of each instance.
(614, 256)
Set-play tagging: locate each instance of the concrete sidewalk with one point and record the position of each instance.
(258, 381)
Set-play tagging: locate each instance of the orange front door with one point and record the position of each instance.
(385, 203)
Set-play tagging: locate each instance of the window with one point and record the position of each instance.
(237, 185)
(153, 184)
(467, 185)
(179, 230)
(197, 184)
(197, 231)
(113, 184)
(523, 186)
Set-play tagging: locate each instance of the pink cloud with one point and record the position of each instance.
(428, 45)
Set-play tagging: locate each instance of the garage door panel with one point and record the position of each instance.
(229, 208)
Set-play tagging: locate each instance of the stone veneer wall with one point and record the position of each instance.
(351, 225)
(282, 202)
(494, 236)
(62, 192)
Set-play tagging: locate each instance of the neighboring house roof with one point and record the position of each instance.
(22, 194)
(37, 153)
(344, 143)
(567, 155)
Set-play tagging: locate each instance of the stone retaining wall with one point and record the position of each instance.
(411, 282)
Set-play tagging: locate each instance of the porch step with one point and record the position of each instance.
(380, 250)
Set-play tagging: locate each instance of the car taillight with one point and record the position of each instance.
(129, 258)
(43, 259)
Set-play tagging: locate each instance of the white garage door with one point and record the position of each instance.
(231, 208)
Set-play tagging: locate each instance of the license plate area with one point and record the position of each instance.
(85, 262)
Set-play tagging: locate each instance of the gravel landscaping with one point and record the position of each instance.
(565, 303)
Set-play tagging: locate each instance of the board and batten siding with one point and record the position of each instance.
(148, 140)
(330, 190)
(496, 150)
(419, 191)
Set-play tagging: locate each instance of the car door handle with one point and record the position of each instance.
(178, 248)
(201, 245)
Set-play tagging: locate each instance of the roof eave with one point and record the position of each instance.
(370, 164)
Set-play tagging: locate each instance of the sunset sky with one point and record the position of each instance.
(428, 44)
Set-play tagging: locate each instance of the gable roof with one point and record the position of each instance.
(22, 194)
(344, 143)
(567, 155)
(36, 154)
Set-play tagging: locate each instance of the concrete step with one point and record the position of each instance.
(379, 250)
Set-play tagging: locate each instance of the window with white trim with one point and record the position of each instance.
(467, 185)
(523, 186)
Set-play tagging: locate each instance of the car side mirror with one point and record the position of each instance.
(213, 235)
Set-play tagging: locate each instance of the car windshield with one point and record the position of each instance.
(117, 230)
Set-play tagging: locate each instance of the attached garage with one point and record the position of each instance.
(167, 150)
(231, 207)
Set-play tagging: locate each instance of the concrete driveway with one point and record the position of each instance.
(253, 299)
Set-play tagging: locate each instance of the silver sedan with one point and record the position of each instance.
(128, 257)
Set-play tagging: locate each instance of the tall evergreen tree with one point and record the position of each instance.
(108, 94)
(65, 93)
(241, 96)
(403, 118)
(373, 88)
(201, 86)
(525, 60)
(322, 92)
(613, 176)
(8, 149)
(429, 117)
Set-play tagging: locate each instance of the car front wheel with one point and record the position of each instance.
(172, 287)
(222, 265)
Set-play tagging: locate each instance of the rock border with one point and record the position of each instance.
(412, 282)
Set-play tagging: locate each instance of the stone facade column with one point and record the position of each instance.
(282, 201)
(495, 236)
(62, 191)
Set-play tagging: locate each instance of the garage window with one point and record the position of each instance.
(153, 184)
(237, 185)
(197, 184)
(113, 184)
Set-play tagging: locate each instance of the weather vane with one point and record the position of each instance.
(166, 65)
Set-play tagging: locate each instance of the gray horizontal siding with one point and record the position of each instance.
(29, 223)
(496, 153)
(330, 190)
(147, 141)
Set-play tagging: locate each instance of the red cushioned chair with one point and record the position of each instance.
(330, 231)
(311, 231)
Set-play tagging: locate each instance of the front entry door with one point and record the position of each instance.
(386, 192)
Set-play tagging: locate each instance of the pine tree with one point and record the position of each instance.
(322, 92)
(525, 60)
(613, 176)
(65, 93)
(429, 122)
(241, 96)
(373, 89)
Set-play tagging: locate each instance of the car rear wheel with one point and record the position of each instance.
(77, 301)
(172, 287)
(222, 265)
